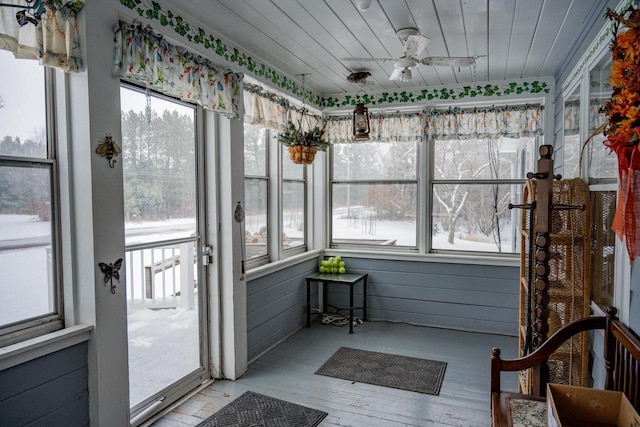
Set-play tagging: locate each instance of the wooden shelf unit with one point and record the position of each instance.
(568, 279)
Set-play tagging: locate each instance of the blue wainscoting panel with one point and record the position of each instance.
(459, 296)
(51, 390)
(276, 304)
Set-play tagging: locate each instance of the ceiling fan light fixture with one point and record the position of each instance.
(405, 75)
(363, 5)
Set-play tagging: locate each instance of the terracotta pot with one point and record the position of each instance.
(302, 154)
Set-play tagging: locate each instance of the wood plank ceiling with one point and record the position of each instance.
(513, 38)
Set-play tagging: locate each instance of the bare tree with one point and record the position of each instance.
(456, 163)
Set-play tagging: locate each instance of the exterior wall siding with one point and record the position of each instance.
(275, 306)
(458, 296)
(51, 390)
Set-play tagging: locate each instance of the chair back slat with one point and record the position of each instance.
(622, 362)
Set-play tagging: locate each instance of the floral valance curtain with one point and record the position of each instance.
(572, 118)
(389, 127)
(494, 122)
(338, 129)
(144, 56)
(306, 121)
(53, 41)
(385, 127)
(264, 108)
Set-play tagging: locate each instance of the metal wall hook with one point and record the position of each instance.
(110, 272)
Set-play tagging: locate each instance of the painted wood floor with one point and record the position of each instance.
(287, 372)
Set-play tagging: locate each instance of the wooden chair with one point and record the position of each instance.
(621, 356)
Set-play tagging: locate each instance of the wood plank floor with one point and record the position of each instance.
(287, 372)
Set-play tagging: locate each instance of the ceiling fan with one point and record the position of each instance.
(414, 44)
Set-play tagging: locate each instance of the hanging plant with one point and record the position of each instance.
(303, 144)
(622, 130)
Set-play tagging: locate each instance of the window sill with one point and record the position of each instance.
(273, 267)
(16, 354)
(440, 258)
(266, 269)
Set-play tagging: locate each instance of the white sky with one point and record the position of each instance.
(21, 90)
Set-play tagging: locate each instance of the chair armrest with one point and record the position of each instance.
(540, 356)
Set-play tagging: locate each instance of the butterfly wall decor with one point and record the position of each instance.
(110, 272)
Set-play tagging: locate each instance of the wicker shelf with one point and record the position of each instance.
(569, 264)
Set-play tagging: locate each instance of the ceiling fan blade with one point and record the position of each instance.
(368, 59)
(449, 61)
(415, 44)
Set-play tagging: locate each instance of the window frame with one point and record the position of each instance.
(368, 246)
(289, 252)
(41, 325)
(622, 265)
(274, 153)
(431, 181)
(265, 258)
(425, 181)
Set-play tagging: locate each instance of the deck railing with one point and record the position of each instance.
(162, 274)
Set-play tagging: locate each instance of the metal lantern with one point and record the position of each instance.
(361, 123)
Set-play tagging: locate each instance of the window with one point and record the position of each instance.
(474, 181)
(602, 178)
(292, 215)
(256, 192)
(275, 199)
(29, 250)
(374, 194)
(450, 193)
(571, 147)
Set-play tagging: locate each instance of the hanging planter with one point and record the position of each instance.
(303, 144)
(302, 154)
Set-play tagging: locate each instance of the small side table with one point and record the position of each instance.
(341, 279)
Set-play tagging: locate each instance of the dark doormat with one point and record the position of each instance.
(388, 370)
(257, 410)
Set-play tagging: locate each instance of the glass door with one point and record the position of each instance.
(165, 284)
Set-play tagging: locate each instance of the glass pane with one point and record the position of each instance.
(162, 317)
(159, 168)
(255, 150)
(602, 162)
(603, 241)
(504, 158)
(375, 160)
(255, 222)
(293, 218)
(26, 258)
(476, 217)
(159, 163)
(290, 170)
(572, 145)
(383, 214)
(22, 107)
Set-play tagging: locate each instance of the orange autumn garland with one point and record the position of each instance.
(623, 128)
